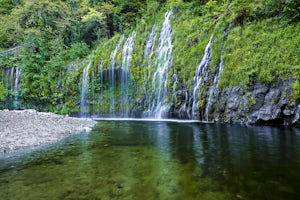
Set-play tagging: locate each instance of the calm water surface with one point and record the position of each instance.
(159, 160)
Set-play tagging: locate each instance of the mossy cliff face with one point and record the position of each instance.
(257, 82)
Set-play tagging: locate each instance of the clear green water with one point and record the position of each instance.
(159, 160)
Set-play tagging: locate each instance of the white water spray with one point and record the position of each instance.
(200, 78)
(159, 96)
(125, 74)
(214, 91)
(112, 81)
(84, 100)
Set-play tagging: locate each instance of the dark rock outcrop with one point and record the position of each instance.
(259, 104)
(273, 105)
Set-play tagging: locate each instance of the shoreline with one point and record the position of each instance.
(22, 129)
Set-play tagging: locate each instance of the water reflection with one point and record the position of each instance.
(160, 160)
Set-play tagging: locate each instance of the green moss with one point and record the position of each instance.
(251, 100)
(296, 91)
(3, 91)
(261, 51)
(193, 26)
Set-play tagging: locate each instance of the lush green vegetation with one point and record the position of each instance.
(262, 51)
(54, 38)
(57, 38)
(2, 92)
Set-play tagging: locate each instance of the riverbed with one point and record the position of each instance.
(23, 129)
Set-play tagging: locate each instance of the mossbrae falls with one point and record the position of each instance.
(156, 99)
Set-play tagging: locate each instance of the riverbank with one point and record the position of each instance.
(29, 128)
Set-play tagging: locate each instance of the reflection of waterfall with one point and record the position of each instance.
(214, 92)
(11, 78)
(200, 78)
(84, 100)
(159, 95)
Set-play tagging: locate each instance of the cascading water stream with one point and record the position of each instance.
(183, 111)
(125, 74)
(200, 78)
(148, 59)
(11, 76)
(115, 82)
(150, 44)
(17, 87)
(112, 81)
(214, 91)
(101, 82)
(159, 96)
(84, 100)
(174, 88)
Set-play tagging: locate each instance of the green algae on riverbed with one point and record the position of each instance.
(159, 160)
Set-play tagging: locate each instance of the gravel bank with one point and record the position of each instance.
(29, 128)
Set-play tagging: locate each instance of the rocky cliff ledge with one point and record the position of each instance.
(259, 104)
(28, 128)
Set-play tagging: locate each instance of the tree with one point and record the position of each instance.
(95, 23)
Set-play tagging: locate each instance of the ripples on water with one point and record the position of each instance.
(124, 159)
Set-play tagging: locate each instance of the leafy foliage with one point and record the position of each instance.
(2, 91)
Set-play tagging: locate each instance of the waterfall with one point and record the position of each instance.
(148, 59)
(183, 111)
(84, 100)
(149, 46)
(148, 56)
(11, 77)
(200, 78)
(214, 92)
(125, 75)
(175, 88)
(17, 87)
(101, 82)
(112, 81)
(159, 91)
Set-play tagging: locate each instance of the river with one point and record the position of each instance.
(124, 159)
